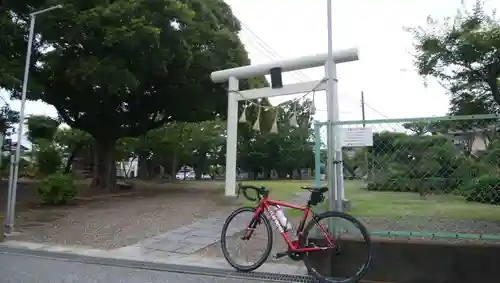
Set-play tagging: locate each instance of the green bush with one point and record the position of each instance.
(57, 189)
(399, 162)
(48, 158)
(484, 189)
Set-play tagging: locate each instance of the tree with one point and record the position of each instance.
(13, 45)
(463, 53)
(71, 141)
(206, 141)
(8, 118)
(418, 128)
(41, 127)
(287, 151)
(121, 68)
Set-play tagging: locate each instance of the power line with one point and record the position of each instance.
(268, 48)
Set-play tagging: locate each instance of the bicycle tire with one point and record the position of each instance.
(366, 236)
(267, 251)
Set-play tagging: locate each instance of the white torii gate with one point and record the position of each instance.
(232, 76)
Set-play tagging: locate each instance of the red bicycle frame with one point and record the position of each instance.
(293, 246)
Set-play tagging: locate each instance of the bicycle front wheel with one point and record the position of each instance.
(254, 239)
(350, 252)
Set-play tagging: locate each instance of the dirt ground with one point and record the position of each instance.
(111, 222)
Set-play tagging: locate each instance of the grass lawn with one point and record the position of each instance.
(280, 190)
(391, 204)
(395, 204)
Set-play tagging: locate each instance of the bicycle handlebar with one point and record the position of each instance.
(261, 191)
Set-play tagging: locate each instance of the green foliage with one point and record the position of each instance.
(418, 128)
(100, 84)
(484, 189)
(41, 127)
(462, 52)
(57, 189)
(69, 140)
(492, 154)
(8, 118)
(286, 151)
(122, 68)
(47, 157)
(420, 164)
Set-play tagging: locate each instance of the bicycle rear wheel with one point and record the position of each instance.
(242, 219)
(351, 254)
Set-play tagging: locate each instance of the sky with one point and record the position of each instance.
(392, 89)
(282, 29)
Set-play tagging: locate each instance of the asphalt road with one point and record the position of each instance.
(19, 268)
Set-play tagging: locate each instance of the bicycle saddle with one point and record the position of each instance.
(315, 189)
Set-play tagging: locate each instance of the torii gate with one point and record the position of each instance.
(232, 76)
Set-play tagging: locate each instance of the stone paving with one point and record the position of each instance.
(182, 241)
(178, 246)
(187, 240)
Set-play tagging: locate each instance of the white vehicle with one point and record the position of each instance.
(185, 175)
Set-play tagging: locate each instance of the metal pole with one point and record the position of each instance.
(9, 218)
(20, 132)
(317, 154)
(2, 138)
(335, 182)
(21, 124)
(364, 126)
(363, 109)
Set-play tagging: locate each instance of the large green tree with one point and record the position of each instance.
(463, 53)
(121, 68)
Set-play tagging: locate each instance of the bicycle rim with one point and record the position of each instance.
(350, 259)
(229, 233)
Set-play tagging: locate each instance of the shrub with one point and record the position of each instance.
(484, 189)
(48, 158)
(57, 189)
(420, 164)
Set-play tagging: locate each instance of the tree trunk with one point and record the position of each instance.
(299, 174)
(72, 156)
(142, 168)
(174, 166)
(201, 162)
(105, 179)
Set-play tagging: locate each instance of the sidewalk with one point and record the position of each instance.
(155, 256)
(179, 246)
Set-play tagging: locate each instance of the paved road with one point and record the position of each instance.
(16, 268)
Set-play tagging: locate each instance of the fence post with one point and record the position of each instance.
(317, 154)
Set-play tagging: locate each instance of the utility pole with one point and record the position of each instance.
(363, 108)
(364, 126)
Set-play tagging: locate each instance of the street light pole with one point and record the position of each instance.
(11, 205)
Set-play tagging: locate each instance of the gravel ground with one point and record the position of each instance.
(121, 221)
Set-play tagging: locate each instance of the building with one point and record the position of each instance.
(473, 141)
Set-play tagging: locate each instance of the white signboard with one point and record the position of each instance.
(357, 137)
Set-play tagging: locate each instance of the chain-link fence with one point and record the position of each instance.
(426, 177)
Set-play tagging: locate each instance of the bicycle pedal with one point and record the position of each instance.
(280, 255)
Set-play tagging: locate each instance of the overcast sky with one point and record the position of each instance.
(294, 28)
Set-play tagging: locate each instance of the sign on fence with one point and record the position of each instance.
(357, 137)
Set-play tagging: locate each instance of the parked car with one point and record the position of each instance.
(185, 176)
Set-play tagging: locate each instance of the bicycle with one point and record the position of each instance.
(298, 249)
